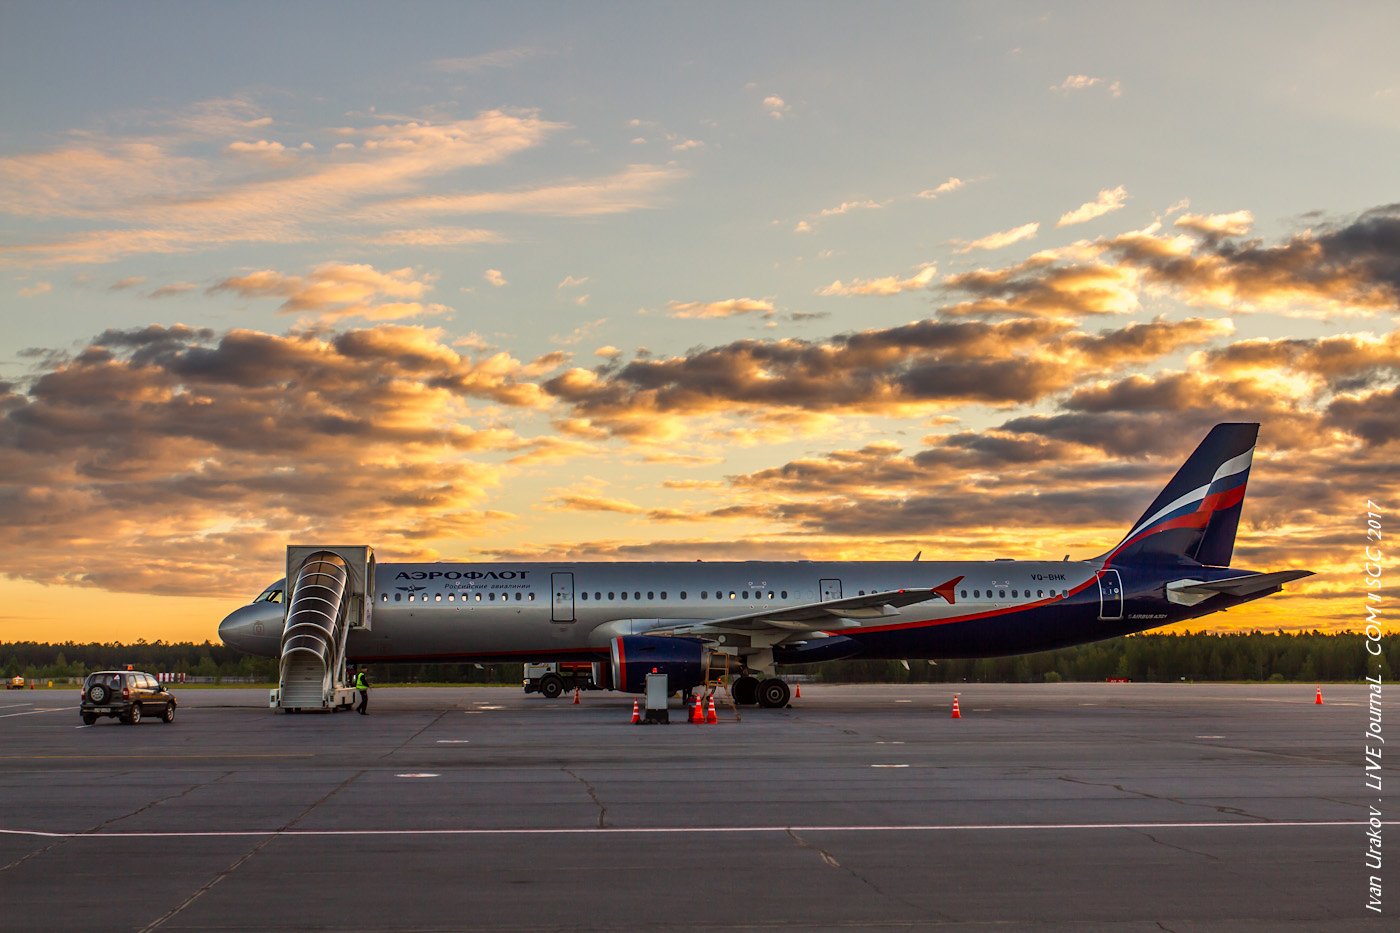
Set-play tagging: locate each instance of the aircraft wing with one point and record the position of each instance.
(1191, 592)
(819, 616)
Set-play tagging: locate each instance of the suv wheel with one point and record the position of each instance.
(133, 717)
(169, 714)
(89, 718)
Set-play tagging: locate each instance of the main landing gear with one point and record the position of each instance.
(771, 693)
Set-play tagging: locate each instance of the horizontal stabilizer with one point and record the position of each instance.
(1190, 592)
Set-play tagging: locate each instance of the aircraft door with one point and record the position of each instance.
(562, 585)
(831, 589)
(1110, 595)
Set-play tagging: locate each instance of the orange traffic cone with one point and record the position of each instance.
(957, 713)
(636, 713)
(798, 694)
(1318, 701)
(696, 715)
(710, 716)
(576, 693)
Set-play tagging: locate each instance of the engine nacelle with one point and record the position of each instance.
(682, 660)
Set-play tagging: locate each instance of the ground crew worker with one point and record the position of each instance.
(362, 685)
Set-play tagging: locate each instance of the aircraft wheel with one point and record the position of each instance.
(744, 690)
(773, 694)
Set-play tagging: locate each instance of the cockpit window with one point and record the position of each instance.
(273, 594)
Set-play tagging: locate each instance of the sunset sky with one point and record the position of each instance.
(622, 281)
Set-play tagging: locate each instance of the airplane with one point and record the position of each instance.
(752, 617)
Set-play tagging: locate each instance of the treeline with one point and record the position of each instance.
(1306, 657)
(38, 661)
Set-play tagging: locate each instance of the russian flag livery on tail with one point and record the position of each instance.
(1196, 516)
(691, 620)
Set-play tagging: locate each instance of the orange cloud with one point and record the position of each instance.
(729, 307)
(885, 286)
(338, 290)
(1108, 200)
(163, 455)
(1001, 239)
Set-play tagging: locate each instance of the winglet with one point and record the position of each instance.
(946, 589)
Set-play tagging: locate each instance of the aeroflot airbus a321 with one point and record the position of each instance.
(678, 618)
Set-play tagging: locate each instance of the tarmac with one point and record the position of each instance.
(1074, 806)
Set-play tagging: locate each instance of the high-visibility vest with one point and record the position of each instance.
(360, 682)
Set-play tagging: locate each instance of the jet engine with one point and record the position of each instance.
(682, 660)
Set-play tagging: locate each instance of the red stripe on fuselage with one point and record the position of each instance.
(970, 617)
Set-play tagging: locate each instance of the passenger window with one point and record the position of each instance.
(398, 597)
(614, 596)
(746, 594)
(1013, 594)
(784, 594)
(650, 595)
(437, 598)
(624, 594)
(477, 596)
(704, 594)
(383, 597)
(531, 597)
(663, 594)
(1039, 593)
(731, 594)
(682, 594)
(1001, 594)
(584, 595)
(976, 594)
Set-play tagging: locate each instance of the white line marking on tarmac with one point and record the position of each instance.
(889, 766)
(417, 774)
(1210, 736)
(694, 830)
(15, 705)
(454, 741)
(52, 709)
(490, 707)
(904, 701)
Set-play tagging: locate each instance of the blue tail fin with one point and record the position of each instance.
(1195, 517)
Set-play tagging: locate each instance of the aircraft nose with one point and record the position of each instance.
(254, 629)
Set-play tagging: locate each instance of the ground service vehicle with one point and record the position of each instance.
(551, 680)
(16, 683)
(126, 695)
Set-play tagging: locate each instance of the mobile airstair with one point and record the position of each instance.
(329, 595)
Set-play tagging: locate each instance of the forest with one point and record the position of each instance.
(1305, 657)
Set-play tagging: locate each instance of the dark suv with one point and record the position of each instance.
(128, 695)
